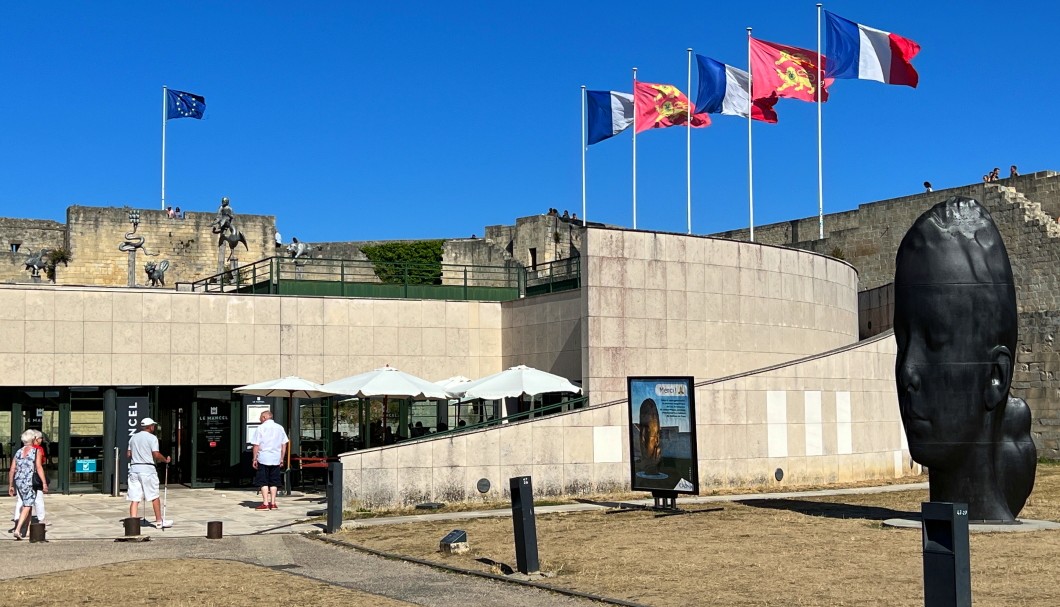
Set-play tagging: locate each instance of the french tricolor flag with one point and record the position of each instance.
(866, 53)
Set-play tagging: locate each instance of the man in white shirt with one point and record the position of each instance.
(270, 450)
(143, 454)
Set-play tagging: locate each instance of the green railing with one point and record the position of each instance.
(559, 275)
(361, 278)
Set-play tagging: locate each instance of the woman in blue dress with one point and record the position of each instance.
(20, 478)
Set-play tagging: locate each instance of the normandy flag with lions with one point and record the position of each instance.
(785, 71)
(661, 105)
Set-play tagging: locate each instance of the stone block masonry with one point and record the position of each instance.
(95, 232)
(1025, 210)
(20, 238)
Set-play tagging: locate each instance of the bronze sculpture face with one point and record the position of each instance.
(650, 438)
(955, 324)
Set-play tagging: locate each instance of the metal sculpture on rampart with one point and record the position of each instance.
(156, 274)
(37, 262)
(955, 325)
(297, 249)
(224, 225)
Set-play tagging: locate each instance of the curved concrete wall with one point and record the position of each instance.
(672, 304)
(822, 419)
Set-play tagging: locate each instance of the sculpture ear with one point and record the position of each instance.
(1000, 377)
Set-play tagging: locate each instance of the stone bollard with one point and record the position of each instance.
(36, 532)
(213, 530)
(132, 526)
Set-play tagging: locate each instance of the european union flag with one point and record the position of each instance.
(184, 105)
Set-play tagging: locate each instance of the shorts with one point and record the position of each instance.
(267, 476)
(142, 484)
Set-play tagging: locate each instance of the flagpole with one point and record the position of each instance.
(583, 154)
(634, 148)
(820, 156)
(688, 155)
(750, 162)
(163, 148)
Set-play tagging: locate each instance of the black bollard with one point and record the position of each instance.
(522, 490)
(36, 532)
(214, 530)
(132, 526)
(334, 495)
(947, 567)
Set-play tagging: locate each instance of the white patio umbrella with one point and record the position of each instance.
(386, 382)
(515, 382)
(289, 387)
(452, 383)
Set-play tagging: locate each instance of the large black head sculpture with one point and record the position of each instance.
(956, 327)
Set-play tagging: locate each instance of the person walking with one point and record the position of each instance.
(143, 454)
(38, 505)
(24, 464)
(270, 450)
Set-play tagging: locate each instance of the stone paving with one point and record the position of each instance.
(96, 516)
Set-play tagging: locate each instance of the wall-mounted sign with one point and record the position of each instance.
(85, 466)
(130, 410)
(662, 434)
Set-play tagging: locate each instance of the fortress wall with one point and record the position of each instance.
(188, 245)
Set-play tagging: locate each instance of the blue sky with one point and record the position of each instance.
(359, 120)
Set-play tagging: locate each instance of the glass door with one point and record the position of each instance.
(215, 450)
(42, 410)
(85, 464)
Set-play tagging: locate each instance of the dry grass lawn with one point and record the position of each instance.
(823, 551)
(181, 582)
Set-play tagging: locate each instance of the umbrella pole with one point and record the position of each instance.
(384, 424)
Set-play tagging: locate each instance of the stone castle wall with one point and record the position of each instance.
(20, 238)
(1025, 209)
(188, 244)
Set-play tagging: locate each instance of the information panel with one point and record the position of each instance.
(662, 435)
(131, 409)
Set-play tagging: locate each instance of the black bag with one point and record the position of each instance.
(38, 484)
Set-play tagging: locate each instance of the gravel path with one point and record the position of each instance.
(294, 554)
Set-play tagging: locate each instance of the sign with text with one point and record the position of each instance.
(131, 409)
(662, 434)
(85, 466)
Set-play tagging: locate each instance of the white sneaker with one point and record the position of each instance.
(162, 524)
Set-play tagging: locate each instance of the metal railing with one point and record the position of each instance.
(396, 280)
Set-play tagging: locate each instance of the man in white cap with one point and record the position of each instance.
(143, 454)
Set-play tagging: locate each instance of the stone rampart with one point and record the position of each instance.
(1025, 209)
(20, 238)
(188, 244)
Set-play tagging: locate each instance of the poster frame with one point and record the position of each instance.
(634, 434)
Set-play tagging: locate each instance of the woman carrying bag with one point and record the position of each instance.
(38, 486)
(24, 464)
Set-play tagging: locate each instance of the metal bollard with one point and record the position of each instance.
(334, 495)
(522, 490)
(132, 526)
(214, 530)
(947, 568)
(36, 532)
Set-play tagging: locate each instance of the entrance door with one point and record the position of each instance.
(41, 410)
(214, 433)
(85, 464)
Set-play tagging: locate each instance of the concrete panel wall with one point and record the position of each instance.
(83, 336)
(544, 332)
(827, 419)
(672, 304)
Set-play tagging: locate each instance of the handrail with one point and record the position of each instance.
(277, 275)
(515, 417)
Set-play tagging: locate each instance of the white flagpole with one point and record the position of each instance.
(688, 155)
(634, 148)
(584, 110)
(750, 162)
(820, 156)
(163, 148)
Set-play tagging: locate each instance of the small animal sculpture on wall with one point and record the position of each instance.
(156, 273)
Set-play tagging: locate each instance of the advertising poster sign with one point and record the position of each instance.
(131, 409)
(662, 435)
